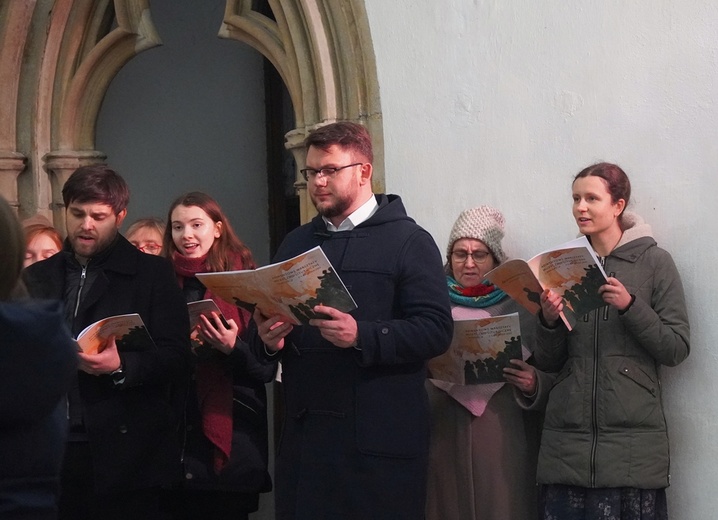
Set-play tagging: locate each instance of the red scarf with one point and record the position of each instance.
(213, 376)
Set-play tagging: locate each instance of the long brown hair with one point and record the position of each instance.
(226, 249)
(12, 253)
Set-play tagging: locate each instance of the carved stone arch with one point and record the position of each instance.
(57, 58)
(323, 52)
(89, 53)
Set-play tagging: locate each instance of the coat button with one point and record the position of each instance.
(189, 476)
(625, 371)
(123, 428)
(385, 330)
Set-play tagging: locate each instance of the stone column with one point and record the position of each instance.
(11, 165)
(295, 144)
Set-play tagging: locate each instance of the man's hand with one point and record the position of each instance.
(104, 362)
(272, 331)
(340, 329)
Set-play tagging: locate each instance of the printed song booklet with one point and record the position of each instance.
(200, 307)
(571, 270)
(129, 331)
(290, 288)
(479, 351)
(195, 310)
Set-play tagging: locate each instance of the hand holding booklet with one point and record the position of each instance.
(479, 351)
(289, 289)
(129, 331)
(572, 270)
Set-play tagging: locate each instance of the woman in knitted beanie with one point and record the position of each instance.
(482, 461)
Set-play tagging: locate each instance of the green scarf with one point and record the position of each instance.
(480, 297)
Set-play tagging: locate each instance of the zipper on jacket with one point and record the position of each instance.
(594, 387)
(83, 276)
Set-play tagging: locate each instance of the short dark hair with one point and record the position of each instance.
(97, 183)
(346, 134)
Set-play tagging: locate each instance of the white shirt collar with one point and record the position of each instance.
(362, 213)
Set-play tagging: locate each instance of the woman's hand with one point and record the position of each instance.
(523, 377)
(551, 307)
(215, 333)
(615, 293)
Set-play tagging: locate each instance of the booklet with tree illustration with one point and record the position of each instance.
(479, 351)
(129, 331)
(290, 288)
(571, 270)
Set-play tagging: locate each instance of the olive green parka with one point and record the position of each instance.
(604, 424)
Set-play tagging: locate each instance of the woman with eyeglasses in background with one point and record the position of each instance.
(482, 458)
(146, 235)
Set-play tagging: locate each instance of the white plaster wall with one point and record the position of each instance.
(501, 102)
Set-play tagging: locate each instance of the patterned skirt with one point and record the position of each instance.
(576, 503)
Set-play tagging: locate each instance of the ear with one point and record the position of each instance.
(620, 205)
(120, 218)
(365, 174)
(217, 229)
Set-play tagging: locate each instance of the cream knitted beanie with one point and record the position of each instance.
(483, 223)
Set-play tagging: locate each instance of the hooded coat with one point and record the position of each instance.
(604, 424)
(356, 427)
(37, 364)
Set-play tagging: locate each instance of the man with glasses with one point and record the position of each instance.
(355, 437)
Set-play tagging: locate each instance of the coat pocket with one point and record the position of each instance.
(631, 397)
(565, 408)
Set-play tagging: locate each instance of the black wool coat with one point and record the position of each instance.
(133, 427)
(356, 427)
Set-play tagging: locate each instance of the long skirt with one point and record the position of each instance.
(482, 468)
(577, 503)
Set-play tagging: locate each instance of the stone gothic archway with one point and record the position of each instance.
(57, 58)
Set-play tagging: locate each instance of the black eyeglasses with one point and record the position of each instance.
(479, 257)
(311, 173)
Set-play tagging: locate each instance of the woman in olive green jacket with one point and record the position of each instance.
(604, 449)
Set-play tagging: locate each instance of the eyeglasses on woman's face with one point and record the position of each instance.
(461, 256)
(148, 247)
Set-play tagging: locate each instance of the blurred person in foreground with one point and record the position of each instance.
(37, 364)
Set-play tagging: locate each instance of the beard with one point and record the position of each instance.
(331, 209)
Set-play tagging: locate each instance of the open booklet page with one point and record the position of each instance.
(129, 331)
(479, 351)
(571, 270)
(289, 289)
